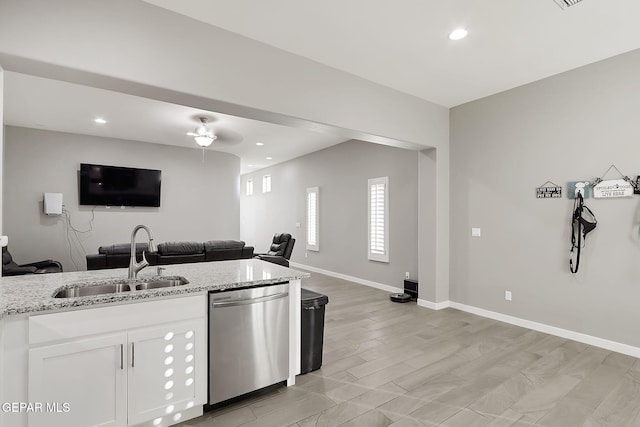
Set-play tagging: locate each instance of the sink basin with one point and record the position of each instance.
(117, 287)
(161, 283)
(83, 291)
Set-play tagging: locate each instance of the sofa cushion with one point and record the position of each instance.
(247, 252)
(281, 237)
(223, 244)
(280, 241)
(277, 249)
(180, 259)
(122, 249)
(180, 248)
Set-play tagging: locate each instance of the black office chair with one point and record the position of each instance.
(280, 249)
(10, 268)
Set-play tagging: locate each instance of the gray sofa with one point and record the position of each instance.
(118, 255)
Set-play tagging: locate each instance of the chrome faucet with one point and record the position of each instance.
(135, 267)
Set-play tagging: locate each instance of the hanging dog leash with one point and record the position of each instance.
(580, 227)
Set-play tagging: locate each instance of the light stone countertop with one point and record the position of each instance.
(34, 293)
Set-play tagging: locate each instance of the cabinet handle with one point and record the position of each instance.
(133, 355)
(121, 356)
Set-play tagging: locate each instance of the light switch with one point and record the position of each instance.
(475, 232)
(297, 225)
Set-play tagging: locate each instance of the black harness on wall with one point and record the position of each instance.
(580, 227)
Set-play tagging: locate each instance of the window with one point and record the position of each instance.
(266, 183)
(312, 219)
(249, 187)
(378, 220)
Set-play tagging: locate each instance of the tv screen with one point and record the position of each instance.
(119, 186)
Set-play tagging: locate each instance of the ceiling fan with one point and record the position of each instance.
(566, 3)
(202, 134)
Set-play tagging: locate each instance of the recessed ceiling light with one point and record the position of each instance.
(458, 34)
(260, 143)
(101, 121)
(269, 158)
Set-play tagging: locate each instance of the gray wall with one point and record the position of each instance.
(240, 77)
(199, 201)
(569, 127)
(341, 172)
(1, 143)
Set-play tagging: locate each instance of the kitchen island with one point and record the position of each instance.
(149, 347)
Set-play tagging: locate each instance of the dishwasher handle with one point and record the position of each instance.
(250, 300)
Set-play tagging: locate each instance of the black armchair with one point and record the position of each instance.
(280, 249)
(10, 268)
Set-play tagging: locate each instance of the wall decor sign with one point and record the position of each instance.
(575, 187)
(613, 188)
(549, 190)
(636, 188)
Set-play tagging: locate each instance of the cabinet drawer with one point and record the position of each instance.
(48, 328)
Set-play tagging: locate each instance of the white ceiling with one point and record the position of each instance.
(34, 102)
(404, 44)
(401, 44)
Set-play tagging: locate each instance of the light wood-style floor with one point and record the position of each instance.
(391, 364)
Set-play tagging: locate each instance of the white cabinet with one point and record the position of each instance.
(162, 372)
(124, 375)
(80, 383)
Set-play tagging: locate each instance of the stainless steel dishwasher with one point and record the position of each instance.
(248, 340)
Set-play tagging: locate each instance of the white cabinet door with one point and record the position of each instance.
(167, 371)
(80, 383)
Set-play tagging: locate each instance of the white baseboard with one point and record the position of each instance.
(552, 330)
(434, 305)
(540, 327)
(365, 282)
(529, 324)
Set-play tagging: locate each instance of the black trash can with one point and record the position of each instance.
(311, 330)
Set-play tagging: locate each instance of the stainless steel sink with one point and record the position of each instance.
(82, 291)
(117, 287)
(161, 283)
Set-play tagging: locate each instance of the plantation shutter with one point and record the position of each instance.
(312, 219)
(378, 219)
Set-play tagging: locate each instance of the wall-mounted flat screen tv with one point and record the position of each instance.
(103, 185)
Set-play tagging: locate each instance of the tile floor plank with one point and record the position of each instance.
(400, 365)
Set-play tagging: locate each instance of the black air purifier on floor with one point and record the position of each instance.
(411, 288)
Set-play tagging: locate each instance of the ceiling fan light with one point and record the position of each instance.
(458, 34)
(203, 140)
(202, 130)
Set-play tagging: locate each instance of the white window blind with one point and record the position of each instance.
(266, 183)
(249, 187)
(379, 219)
(313, 203)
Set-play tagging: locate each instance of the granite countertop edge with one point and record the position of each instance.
(37, 299)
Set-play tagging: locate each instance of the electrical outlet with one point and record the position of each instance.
(476, 232)
(407, 275)
(306, 254)
(507, 295)
(4, 241)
